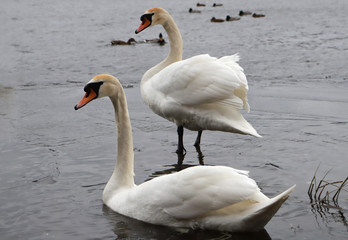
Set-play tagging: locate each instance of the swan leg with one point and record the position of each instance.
(181, 149)
(200, 155)
(198, 139)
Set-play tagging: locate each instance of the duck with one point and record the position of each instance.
(194, 11)
(257, 15)
(213, 19)
(200, 5)
(217, 5)
(160, 40)
(198, 93)
(244, 13)
(204, 197)
(120, 42)
(229, 18)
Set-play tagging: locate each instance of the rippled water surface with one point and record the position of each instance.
(55, 161)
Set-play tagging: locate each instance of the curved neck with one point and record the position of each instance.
(123, 174)
(175, 41)
(175, 52)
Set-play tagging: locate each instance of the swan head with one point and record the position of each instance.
(100, 86)
(152, 17)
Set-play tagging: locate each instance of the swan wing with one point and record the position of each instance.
(196, 191)
(203, 79)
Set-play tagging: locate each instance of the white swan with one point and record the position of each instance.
(207, 197)
(199, 93)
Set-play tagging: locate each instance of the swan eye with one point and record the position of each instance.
(147, 16)
(93, 85)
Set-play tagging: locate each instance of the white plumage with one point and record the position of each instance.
(207, 197)
(184, 93)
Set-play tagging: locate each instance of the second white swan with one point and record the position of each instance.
(199, 93)
(206, 197)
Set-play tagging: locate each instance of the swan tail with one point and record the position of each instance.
(234, 58)
(266, 211)
(248, 215)
(284, 194)
(236, 122)
(275, 203)
(250, 130)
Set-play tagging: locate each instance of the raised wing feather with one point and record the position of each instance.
(196, 191)
(204, 79)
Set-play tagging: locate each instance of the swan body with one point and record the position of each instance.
(199, 93)
(179, 98)
(206, 197)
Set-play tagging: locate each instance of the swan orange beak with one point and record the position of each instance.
(146, 21)
(143, 25)
(89, 96)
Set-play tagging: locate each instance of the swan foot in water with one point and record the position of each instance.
(181, 149)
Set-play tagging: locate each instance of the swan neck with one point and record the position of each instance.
(175, 52)
(123, 174)
(175, 41)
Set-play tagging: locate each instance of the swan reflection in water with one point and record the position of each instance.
(179, 165)
(329, 213)
(128, 228)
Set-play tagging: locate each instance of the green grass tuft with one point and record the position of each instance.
(323, 192)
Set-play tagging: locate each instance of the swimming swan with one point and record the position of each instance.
(207, 197)
(199, 93)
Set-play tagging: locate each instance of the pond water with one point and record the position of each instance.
(55, 161)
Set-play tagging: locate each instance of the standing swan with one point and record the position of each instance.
(199, 93)
(207, 197)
